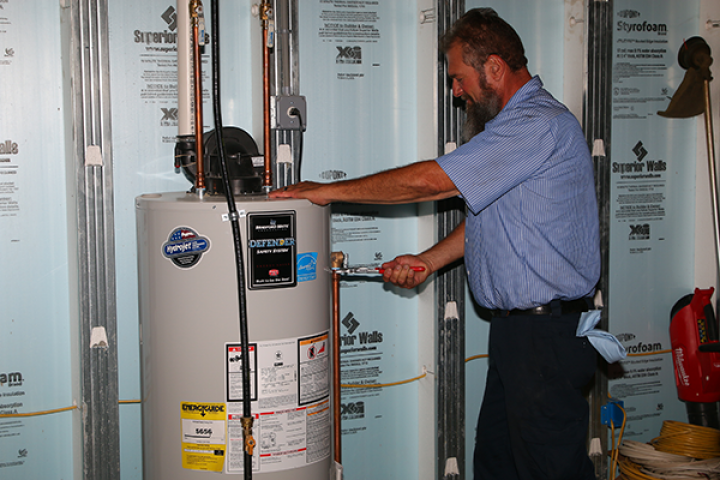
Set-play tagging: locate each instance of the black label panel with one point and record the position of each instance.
(271, 249)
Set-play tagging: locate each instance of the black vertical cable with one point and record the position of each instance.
(296, 112)
(233, 214)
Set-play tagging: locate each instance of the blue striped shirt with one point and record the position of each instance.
(531, 233)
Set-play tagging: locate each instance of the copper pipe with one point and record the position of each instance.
(267, 177)
(336, 261)
(197, 77)
(336, 365)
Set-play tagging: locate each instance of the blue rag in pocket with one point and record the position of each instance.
(605, 343)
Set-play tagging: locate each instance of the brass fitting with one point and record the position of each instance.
(265, 14)
(195, 11)
(337, 259)
(247, 424)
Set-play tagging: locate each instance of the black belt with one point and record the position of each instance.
(570, 306)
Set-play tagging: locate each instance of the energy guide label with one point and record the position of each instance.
(203, 436)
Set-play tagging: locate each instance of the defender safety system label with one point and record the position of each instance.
(272, 250)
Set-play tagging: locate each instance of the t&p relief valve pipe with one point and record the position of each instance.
(338, 268)
(197, 20)
(337, 260)
(268, 28)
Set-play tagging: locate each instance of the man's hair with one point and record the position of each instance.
(482, 33)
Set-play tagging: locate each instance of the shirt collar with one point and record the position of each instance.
(524, 92)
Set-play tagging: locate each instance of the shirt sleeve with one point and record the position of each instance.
(511, 149)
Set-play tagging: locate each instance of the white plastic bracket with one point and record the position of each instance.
(427, 16)
(451, 467)
(98, 338)
(284, 155)
(451, 311)
(598, 148)
(93, 156)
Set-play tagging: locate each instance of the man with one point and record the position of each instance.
(530, 244)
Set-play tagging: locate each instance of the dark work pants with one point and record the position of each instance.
(534, 418)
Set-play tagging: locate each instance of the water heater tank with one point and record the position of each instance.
(190, 337)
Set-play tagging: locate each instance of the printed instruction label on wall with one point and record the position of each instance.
(14, 445)
(203, 436)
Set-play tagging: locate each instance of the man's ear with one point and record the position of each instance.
(495, 67)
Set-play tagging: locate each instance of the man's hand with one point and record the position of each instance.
(398, 271)
(312, 191)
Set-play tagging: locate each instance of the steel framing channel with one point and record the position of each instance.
(286, 81)
(450, 284)
(597, 118)
(95, 220)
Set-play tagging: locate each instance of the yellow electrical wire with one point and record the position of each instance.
(615, 452)
(56, 410)
(659, 352)
(475, 357)
(485, 355)
(613, 449)
(695, 443)
(689, 440)
(633, 471)
(34, 414)
(649, 353)
(378, 385)
(346, 385)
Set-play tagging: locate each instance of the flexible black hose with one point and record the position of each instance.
(296, 112)
(237, 239)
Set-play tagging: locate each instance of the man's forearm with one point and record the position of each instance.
(447, 250)
(418, 182)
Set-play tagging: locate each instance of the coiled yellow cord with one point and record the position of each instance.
(633, 471)
(681, 451)
(688, 440)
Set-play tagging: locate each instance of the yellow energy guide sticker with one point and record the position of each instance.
(203, 436)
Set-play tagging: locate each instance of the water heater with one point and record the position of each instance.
(190, 342)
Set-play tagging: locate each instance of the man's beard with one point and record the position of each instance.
(481, 112)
